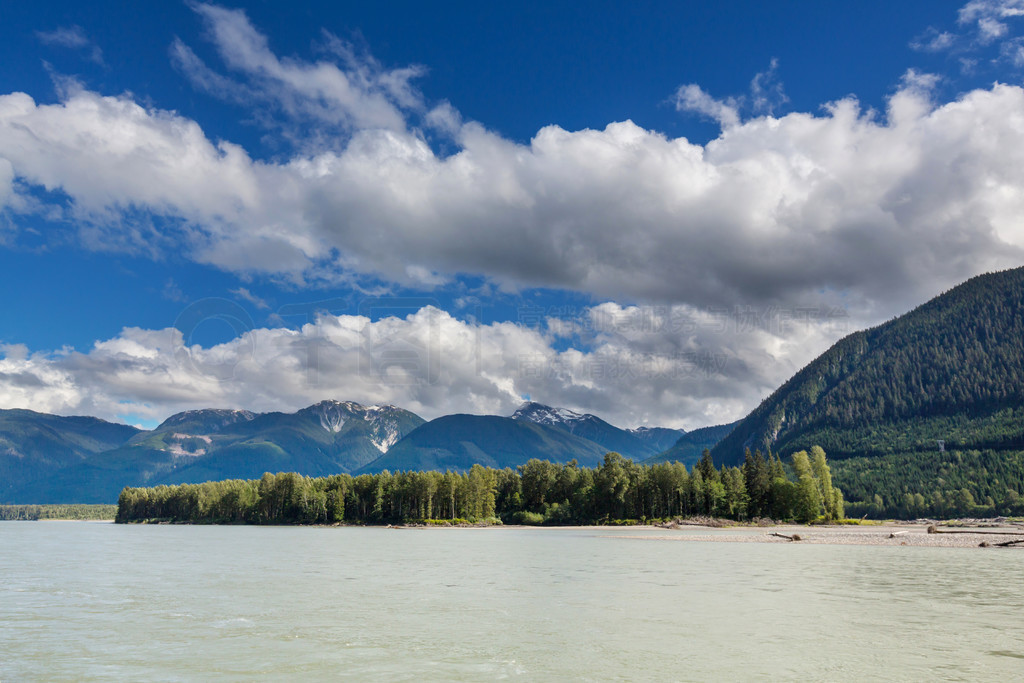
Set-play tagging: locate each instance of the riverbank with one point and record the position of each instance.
(953, 534)
(880, 535)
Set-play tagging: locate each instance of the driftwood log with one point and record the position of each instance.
(794, 537)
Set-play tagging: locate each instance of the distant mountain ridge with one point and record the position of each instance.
(636, 445)
(204, 420)
(458, 442)
(200, 445)
(661, 438)
(31, 442)
(689, 448)
(89, 460)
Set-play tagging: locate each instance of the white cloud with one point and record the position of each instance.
(356, 93)
(148, 180)
(988, 17)
(987, 28)
(693, 98)
(72, 37)
(919, 83)
(765, 97)
(658, 366)
(774, 210)
(6, 182)
(766, 91)
(933, 40)
(246, 295)
(36, 382)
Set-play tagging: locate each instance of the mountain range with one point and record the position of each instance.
(637, 444)
(48, 458)
(194, 446)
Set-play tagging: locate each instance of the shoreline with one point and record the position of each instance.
(952, 534)
(890, 534)
(898, 534)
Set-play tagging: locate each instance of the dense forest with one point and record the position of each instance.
(539, 492)
(951, 370)
(974, 483)
(76, 512)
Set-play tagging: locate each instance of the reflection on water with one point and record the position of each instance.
(90, 601)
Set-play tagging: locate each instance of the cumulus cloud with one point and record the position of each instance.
(841, 204)
(869, 211)
(670, 365)
(147, 180)
(775, 209)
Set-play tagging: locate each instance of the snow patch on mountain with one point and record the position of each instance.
(385, 435)
(177, 447)
(546, 415)
(332, 423)
(384, 426)
(334, 414)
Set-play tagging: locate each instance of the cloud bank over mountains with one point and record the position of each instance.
(674, 366)
(845, 208)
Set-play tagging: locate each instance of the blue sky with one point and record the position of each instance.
(653, 213)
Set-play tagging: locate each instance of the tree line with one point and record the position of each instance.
(538, 492)
(72, 511)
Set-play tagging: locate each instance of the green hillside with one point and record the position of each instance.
(951, 369)
(881, 400)
(689, 447)
(33, 445)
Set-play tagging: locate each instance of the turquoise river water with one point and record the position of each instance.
(82, 601)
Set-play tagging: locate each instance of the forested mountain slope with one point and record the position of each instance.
(690, 446)
(34, 444)
(923, 413)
